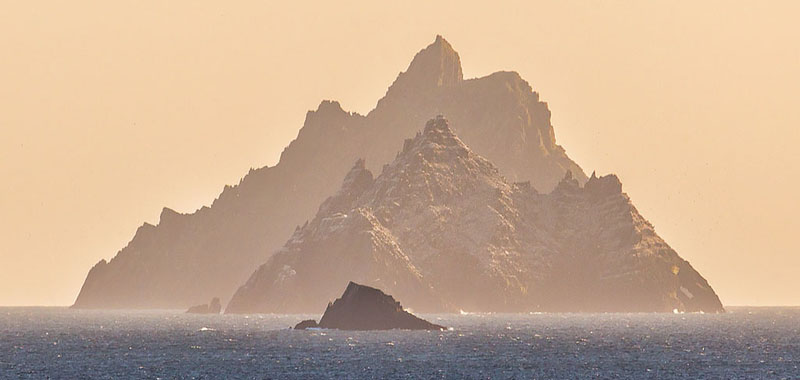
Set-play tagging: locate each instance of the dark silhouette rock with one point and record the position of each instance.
(307, 324)
(214, 307)
(366, 308)
(213, 250)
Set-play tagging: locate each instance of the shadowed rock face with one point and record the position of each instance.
(365, 308)
(442, 229)
(188, 258)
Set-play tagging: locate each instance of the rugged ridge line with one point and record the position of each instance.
(188, 258)
(441, 228)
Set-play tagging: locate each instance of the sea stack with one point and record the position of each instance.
(365, 308)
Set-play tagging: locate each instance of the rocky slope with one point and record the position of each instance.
(443, 229)
(188, 258)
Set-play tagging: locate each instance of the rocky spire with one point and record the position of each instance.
(438, 65)
(329, 112)
(438, 131)
(604, 185)
(438, 143)
(355, 182)
(357, 178)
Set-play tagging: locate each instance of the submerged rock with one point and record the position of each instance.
(214, 307)
(365, 308)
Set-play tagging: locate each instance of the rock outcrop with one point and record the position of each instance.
(442, 229)
(306, 324)
(366, 308)
(213, 307)
(187, 258)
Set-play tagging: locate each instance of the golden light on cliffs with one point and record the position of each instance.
(111, 110)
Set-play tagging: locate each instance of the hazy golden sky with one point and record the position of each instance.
(111, 110)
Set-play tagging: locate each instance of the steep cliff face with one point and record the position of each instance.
(188, 258)
(442, 229)
(339, 245)
(610, 258)
(499, 116)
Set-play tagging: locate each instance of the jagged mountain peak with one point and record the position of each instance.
(434, 166)
(437, 65)
(328, 112)
(439, 62)
(360, 164)
(439, 129)
(358, 179)
(330, 106)
(567, 184)
(437, 134)
(607, 184)
(498, 116)
(441, 227)
(168, 215)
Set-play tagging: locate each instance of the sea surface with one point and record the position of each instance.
(60, 343)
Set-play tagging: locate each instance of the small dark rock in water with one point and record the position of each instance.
(307, 324)
(366, 308)
(212, 308)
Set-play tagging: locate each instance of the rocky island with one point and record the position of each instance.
(442, 229)
(499, 115)
(213, 307)
(365, 308)
(487, 213)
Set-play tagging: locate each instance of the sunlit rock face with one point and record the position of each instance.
(442, 229)
(188, 258)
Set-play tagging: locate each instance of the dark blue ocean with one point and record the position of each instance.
(59, 343)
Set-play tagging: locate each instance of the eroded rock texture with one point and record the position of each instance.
(441, 228)
(188, 258)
